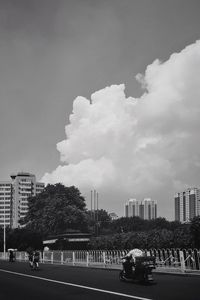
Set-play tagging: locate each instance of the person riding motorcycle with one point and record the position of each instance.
(33, 257)
(30, 257)
(36, 258)
(137, 267)
(128, 261)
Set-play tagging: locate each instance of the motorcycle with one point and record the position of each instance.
(34, 265)
(34, 261)
(139, 271)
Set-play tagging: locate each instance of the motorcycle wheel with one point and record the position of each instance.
(148, 279)
(121, 276)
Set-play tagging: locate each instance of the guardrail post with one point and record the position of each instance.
(61, 258)
(73, 258)
(104, 259)
(182, 261)
(87, 258)
(52, 257)
(41, 255)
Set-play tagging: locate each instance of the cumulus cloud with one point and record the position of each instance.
(137, 146)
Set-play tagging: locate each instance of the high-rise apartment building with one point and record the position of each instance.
(146, 209)
(132, 208)
(5, 203)
(14, 197)
(187, 204)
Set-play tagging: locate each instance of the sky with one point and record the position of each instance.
(102, 95)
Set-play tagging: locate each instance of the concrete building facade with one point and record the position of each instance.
(146, 209)
(187, 204)
(149, 209)
(14, 197)
(5, 203)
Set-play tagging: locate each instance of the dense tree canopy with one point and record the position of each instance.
(127, 233)
(195, 231)
(99, 221)
(156, 238)
(56, 209)
(59, 209)
(21, 239)
(125, 224)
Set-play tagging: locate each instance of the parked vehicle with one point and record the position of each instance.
(139, 270)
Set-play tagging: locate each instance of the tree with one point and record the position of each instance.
(195, 231)
(22, 238)
(129, 224)
(159, 223)
(99, 221)
(182, 236)
(56, 209)
(135, 240)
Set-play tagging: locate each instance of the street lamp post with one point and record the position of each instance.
(4, 232)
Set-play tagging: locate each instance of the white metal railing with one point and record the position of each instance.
(176, 259)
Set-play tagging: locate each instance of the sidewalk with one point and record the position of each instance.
(176, 271)
(161, 270)
(117, 267)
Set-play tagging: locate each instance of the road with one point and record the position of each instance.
(57, 282)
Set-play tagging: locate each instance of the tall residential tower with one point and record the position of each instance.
(146, 209)
(14, 197)
(5, 203)
(187, 204)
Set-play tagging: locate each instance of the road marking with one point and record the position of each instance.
(76, 285)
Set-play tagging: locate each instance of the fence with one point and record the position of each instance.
(171, 259)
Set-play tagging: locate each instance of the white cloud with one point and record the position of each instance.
(142, 146)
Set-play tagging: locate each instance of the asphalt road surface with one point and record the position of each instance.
(57, 282)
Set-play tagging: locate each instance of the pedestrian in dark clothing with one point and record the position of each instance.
(11, 256)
